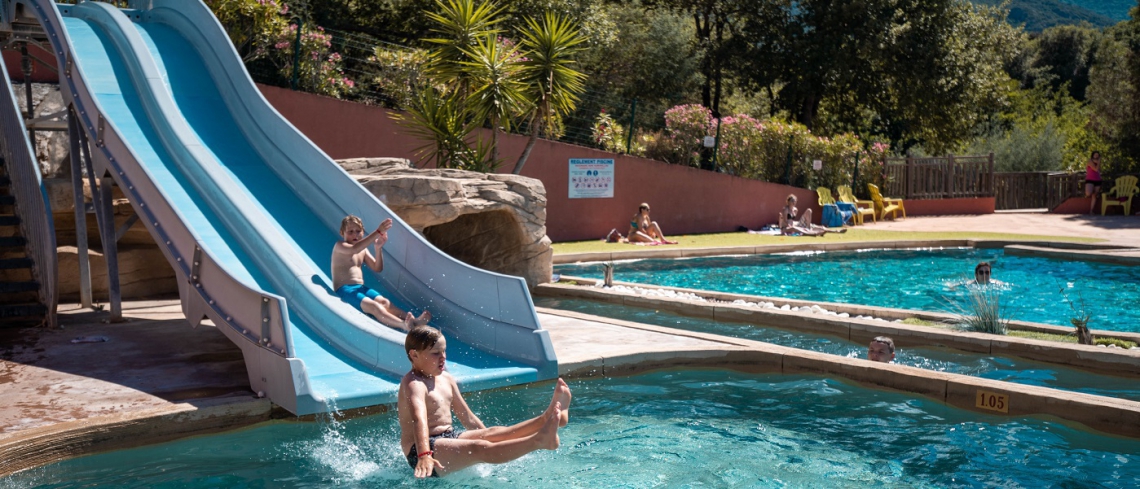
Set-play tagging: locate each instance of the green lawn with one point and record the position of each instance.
(853, 234)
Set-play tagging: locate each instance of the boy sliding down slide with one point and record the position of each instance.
(348, 279)
(428, 394)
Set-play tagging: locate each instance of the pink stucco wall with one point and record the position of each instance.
(950, 207)
(40, 73)
(684, 200)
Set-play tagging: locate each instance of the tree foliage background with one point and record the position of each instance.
(923, 76)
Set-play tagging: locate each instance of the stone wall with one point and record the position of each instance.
(53, 148)
(492, 221)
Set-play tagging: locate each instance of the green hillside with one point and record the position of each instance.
(1037, 15)
(1114, 9)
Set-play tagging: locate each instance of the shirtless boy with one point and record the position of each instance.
(428, 396)
(348, 279)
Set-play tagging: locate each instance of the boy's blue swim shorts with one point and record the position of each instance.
(355, 293)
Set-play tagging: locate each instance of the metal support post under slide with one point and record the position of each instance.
(73, 132)
(110, 247)
(26, 67)
(105, 217)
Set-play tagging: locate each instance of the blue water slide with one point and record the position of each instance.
(247, 209)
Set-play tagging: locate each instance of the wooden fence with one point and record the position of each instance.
(1060, 186)
(1021, 190)
(1034, 190)
(942, 177)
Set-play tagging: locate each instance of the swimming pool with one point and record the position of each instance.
(665, 429)
(930, 280)
(1009, 369)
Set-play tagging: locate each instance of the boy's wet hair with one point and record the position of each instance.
(886, 340)
(350, 219)
(643, 206)
(421, 338)
(982, 265)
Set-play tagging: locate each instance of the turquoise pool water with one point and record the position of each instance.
(666, 429)
(928, 280)
(1009, 369)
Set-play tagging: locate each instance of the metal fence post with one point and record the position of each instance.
(855, 174)
(297, 55)
(788, 166)
(632, 121)
(716, 146)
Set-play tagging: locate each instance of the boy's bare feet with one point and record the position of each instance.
(423, 318)
(547, 436)
(409, 321)
(562, 397)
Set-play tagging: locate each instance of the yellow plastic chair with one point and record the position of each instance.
(862, 207)
(826, 199)
(886, 204)
(1121, 194)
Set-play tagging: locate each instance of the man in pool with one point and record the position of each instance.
(427, 396)
(881, 349)
(982, 273)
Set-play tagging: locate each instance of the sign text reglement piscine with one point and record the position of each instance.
(591, 178)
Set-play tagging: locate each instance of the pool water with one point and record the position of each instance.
(930, 280)
(1009, 369)
(665, 429)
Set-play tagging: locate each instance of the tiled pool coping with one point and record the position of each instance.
(1056, 249)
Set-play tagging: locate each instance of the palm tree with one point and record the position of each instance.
(497, 95)
(442, 122)
(459, 25)
(553, 85)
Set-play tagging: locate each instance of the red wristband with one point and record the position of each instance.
(427, 452)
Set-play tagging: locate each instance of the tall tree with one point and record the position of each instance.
(548, 72)
(714, 22)
(1114, 94)
(920, 70)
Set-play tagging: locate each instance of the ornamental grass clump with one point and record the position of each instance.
(982, 313)
(1079, 319)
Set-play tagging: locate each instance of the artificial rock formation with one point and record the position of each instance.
(492, 221)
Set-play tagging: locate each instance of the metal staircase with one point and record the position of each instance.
(20, 301)
(28, 261)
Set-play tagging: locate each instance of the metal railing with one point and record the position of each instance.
(32, 203)
(941, 177)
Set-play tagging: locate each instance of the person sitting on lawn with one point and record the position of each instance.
(643, 230)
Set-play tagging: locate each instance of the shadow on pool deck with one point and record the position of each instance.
(151, 360)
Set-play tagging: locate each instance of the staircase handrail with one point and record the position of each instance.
(34, 205)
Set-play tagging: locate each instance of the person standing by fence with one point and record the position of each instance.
(1092, 179)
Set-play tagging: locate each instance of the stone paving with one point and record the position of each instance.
(1118, 230)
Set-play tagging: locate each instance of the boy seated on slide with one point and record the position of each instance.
(348, 278)
(428, 395)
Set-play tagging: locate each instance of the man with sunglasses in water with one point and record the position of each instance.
(982, 273)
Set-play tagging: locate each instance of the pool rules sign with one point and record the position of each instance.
(591, 178)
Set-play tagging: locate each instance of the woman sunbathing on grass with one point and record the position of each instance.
(642, 230)
(791, 226)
